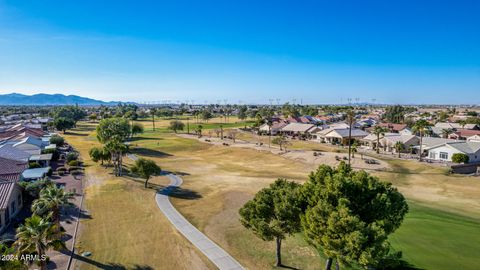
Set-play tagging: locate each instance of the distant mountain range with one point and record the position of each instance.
(49, 99)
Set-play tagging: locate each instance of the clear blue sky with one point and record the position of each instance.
(251, 51)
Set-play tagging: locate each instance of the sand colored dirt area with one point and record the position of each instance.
(305, 156)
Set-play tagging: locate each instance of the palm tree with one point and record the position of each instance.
(153, 111)
(421, 127)
(51, 200)
(269, 124)
(350, 122)
(38, 235)
(379, 131)
(399, 146)
(446, 132)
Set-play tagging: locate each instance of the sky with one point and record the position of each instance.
(398, 51)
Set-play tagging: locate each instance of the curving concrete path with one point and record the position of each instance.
(213, 252)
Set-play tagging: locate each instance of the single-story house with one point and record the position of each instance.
(408, 141)
(9, 152)
(474, 138)
(11, 202)
(11, 170)
(394, 128)
(30, 145)
(445, 151)
(340, 136)
(298, 129)
(274, 128)
(447, 125)
(35, 174)
(463, 134)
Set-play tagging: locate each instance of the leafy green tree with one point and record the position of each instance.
(176, 125)
(74, 113)
(145, 168)
(396, 114)
(137, 128)
(52, 199)
(62, 123)
(281, 141)
(99, 154)
(33, 188)
(38, 235)
(421, 127)
(379, 131)
(242, 112)
(58, 140)
(274, 213)
(460, 158)
(350, 214)
(206, 115)
(113, 132)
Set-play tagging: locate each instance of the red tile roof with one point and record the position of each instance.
(11, 169)
(393, 127)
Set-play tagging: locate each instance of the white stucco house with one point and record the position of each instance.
(445, 151)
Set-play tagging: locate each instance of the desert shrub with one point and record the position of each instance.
(72, 156)
(73, 163)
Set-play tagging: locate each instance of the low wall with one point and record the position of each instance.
(466, 168)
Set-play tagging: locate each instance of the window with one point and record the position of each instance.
(443, 155)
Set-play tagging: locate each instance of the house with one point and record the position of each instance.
(388, 140)
(474, 138)
(273, 129)
(293, 129)
(30, 145)
(9, 152)
(445, 151)
(448, 125)
(11, 202)
(408, 141)
(11, 170)
(340, 136)
(463, 134)
(42, 159)
(394, 128)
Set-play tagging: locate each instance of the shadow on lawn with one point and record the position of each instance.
(149, 152)
(182, 193)
(140, 138)
(108, 266)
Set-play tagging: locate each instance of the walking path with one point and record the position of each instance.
(214, 253)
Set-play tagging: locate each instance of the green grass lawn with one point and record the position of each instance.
(433, 239)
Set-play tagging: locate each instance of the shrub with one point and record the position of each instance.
(50, 172)
(73, 163)
(55, 139)
(72, 156)
(61, 171)
(34, 165)
(460, 158)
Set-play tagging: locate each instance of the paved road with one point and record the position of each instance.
(213, 252)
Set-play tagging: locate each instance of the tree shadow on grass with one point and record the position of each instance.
(140, 138)
(180, 193)
(402, 265)
(149, 152)
(108, 266)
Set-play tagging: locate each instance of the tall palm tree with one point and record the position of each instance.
(379, 131)
(269, 124)
(52, 199)
(399, 146)
(153, 111)
(421, 127)
(350, 122)
(38, 235)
